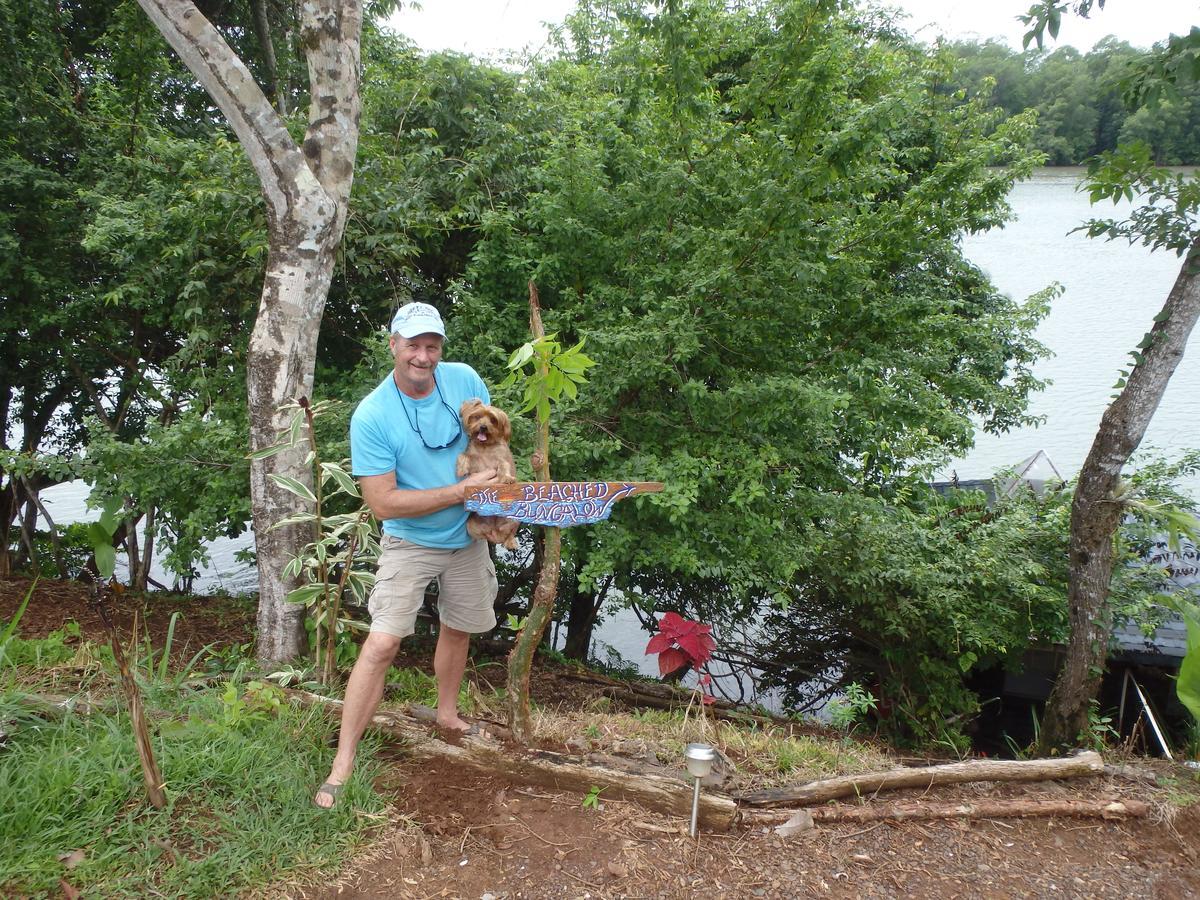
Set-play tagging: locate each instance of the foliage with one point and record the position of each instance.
(681, 643)
(1187, 684)
(6, 636)
(100, 536)
(553, 373)
(853, 706)
(239, 816)
(1168, 216)
(52, 650)
(1079, 99)
(344, 547)
(752, 216)
(908, 600)
(592, 799)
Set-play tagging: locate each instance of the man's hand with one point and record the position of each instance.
(482, 478)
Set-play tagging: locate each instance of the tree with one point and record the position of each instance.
(306, 187)
(1169, 220)
(752, 215)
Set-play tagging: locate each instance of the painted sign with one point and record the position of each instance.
(557, 503)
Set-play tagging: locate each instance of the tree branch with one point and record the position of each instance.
(275, 157)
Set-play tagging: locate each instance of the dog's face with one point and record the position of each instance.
(485, 424)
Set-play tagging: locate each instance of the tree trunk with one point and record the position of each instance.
(275, 374)
(9, 507)
(520, 661)
(1097, 509)
(306, 193)
(581, 617)
(141, 577)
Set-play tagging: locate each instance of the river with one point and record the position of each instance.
(1111, 293)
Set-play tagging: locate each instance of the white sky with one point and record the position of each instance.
(494, 27)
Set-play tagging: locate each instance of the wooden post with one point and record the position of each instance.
(520, 660)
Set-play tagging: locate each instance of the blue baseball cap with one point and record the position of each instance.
(417, 318)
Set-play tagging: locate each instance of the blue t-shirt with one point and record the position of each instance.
(383, 439)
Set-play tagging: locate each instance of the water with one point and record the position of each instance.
(1112, 292)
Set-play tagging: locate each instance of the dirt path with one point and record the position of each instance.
(455, 834)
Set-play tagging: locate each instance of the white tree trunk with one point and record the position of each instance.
(306, 192)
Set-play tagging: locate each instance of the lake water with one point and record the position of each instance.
(1112, 292)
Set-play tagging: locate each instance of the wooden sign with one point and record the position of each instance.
(556, 503)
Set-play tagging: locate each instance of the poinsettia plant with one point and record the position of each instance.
(682, 644)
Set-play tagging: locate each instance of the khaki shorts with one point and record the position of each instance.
(466, 586)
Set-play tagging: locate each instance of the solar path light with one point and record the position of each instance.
(699, 763)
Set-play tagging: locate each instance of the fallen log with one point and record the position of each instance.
(1088, 763)
(909, 810)
(660, 793)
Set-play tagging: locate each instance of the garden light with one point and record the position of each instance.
(699, 763)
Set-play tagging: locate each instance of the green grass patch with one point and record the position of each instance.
(41, 653)
(240, 769)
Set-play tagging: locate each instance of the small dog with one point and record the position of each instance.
(488, 432)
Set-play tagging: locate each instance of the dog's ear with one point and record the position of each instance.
(502, 423)
(468, 407)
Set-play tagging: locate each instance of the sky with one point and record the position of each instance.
(495, 27)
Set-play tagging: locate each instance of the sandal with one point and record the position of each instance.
(332, 790)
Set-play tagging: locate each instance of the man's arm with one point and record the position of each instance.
(387, 501)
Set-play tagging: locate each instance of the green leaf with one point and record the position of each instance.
(306, 518)
(109, 516)
(106, 560)
(345, 483)
(98, 536)
(293, 486)
(306, 594)
(520, 356)
(267, 452)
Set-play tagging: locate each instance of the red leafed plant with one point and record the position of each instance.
(681, 643)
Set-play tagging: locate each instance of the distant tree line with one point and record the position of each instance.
(1077, 97)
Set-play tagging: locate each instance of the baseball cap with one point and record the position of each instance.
(417, 318)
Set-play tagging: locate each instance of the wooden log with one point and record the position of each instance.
(911, 810)
(557, 771)
(1088, 763)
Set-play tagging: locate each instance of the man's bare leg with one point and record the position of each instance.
(363, 693)
(449, 664)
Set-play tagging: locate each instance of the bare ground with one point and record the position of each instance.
(455, 833)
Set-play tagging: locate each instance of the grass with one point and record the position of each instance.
(240, 769)
(764, 757)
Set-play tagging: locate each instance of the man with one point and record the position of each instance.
(405, 437)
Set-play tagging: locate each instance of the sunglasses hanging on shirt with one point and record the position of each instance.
(414, 420)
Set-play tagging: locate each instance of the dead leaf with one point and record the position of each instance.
(616, 870)
(167, 849)
(69, 892)
(72, 859)
(801, 820)
(426, 850)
